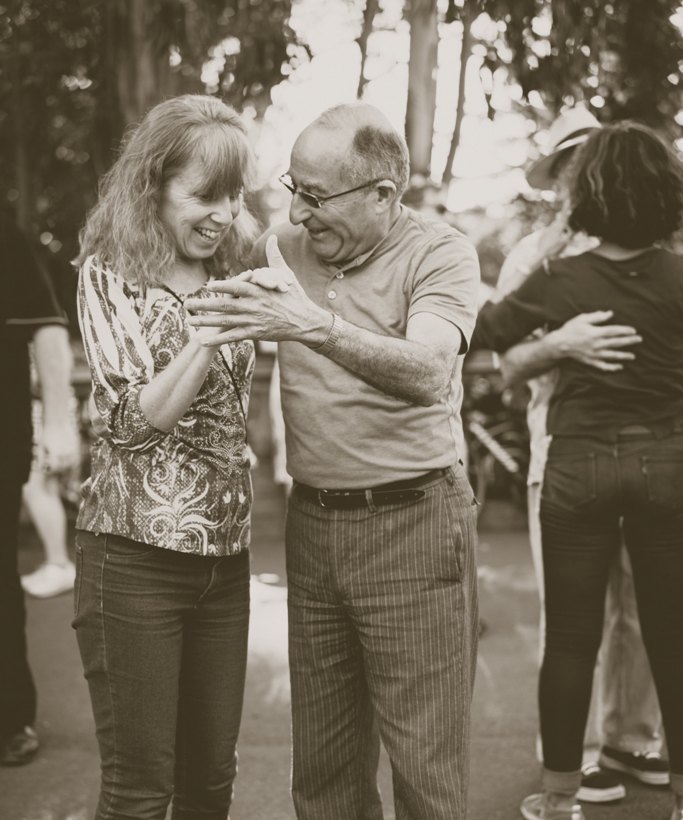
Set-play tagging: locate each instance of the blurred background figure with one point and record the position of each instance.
(624, 716)
(43, 499)
(614, 466)
(30, 314)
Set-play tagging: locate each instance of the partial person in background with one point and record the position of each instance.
(162, 590)
(373, 306)
(30, 314)
(624, 727)
(42, 496)
(614, 467)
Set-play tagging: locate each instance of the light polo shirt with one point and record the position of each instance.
(342, 432)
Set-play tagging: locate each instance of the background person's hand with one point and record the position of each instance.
(60, 447)
(587, 340)
(553, 239)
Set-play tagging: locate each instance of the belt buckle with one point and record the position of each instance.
(320, 498)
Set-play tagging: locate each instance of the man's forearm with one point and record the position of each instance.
(406, 369)
(53, 359)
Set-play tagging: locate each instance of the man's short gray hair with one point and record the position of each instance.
(377, 150)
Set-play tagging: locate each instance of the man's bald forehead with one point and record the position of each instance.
(352, 117)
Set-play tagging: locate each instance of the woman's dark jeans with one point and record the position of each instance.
(163, 640)
(592, 490)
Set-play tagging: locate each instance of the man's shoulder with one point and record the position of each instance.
(429, 236)
(431, 227)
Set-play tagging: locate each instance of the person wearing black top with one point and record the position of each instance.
(28, 313)
(616, 457)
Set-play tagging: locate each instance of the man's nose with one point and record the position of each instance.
(299, 211)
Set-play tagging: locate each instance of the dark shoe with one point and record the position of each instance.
(648, 767)
(19, 748)
(599, 786)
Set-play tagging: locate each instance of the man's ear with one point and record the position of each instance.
(386, 192)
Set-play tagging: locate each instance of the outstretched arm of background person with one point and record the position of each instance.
(583, 338)
(270, 304)
(53, 360)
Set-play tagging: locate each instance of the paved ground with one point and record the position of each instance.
(61, 784)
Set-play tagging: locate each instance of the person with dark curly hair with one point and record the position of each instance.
(615, 462)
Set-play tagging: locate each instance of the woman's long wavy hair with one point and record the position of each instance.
(124, 230)
(626, 186)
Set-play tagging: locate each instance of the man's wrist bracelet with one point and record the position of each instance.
(333, 336)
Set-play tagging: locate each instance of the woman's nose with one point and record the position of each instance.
(225, 210)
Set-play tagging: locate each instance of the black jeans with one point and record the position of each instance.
(163, 640)
(17, 691)
(591, 490)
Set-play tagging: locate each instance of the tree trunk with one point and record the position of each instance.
(465, 52)
(421, 108)
(23, 167)
(369, 14)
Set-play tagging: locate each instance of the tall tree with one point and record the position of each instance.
(421, 107)
(370, 11)
(466, 14)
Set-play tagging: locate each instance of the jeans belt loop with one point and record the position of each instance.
(370, 501)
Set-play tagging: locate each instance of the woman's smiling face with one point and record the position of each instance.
(195, 223)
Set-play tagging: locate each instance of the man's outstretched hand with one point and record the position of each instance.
(265, 303)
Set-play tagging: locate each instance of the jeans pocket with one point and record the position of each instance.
(664, 481)
(570, 480)
(120, 550)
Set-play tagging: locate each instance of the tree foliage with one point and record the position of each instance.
(74, 75)
(624, 58)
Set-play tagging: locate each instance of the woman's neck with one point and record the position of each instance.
(187, 276)
(610, 250)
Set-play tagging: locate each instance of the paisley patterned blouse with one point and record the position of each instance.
(188, 489)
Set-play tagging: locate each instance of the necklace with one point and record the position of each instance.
(233, 381)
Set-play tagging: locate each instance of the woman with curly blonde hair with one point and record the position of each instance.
(162, 587)
(615, 463)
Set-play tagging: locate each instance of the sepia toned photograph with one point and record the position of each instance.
(342, 441)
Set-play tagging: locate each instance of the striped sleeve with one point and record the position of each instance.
(119, 358)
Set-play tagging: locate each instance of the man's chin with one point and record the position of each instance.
(326, 247)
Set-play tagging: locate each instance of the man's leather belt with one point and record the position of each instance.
(397, 492)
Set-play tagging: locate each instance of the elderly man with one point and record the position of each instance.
(373, 307)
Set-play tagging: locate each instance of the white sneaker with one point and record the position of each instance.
(49, 579)
(544, 807)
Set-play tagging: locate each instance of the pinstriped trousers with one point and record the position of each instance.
(383, 636)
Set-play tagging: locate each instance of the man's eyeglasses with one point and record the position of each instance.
(314, 201)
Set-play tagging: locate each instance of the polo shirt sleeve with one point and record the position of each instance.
(500, 325)
(31, 302)
(446, 283)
